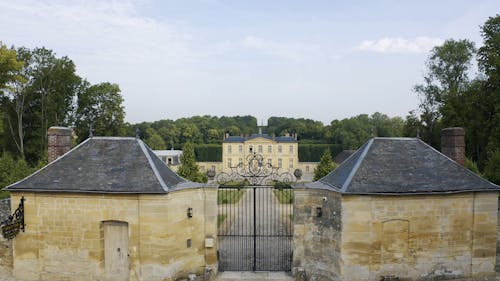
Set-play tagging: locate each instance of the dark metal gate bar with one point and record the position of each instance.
(255, 228)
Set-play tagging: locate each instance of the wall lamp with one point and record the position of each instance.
(190, 212)
(319, 212)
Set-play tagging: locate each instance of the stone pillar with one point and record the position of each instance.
(453, 144)
(59, 142)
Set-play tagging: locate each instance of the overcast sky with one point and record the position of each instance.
(323, 60)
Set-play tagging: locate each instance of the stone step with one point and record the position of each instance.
(253, 276)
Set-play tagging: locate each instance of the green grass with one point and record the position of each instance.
(220, 219)
(284, 196)
(4, 194)
(229, 196)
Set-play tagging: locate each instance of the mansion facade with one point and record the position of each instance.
(281, 152)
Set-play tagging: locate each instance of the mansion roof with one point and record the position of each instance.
(265, 136)
(401, 166)
(105, 165)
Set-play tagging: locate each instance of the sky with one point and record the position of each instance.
(322, 60)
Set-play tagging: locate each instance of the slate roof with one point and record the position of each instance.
(265, 136)
(395, 166)
(342, 156)
(105, 165)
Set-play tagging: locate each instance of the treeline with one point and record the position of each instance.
(349, 133)
(39, 89)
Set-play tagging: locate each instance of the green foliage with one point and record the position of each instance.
(208, 152)
(101, 105)
(229, 196)
(353, 132)
(325, 166)
(284, 196)
(12, 170)
(154, 140)
(9, 67)
(492, 168)
(445, 82)
(471, 165)
(313, 152)
(188, 168)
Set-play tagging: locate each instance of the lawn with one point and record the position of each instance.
(220, 219)
(229, 196)
(284, 196)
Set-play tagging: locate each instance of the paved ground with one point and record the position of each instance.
(273, 248)
(254, 276)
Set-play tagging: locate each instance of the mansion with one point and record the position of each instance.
(281, 152)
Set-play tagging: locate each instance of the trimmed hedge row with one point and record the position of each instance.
(307, 152)
(208, 152)
(313, 152)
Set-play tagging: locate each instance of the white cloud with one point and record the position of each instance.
(400, 45)
(107, 30)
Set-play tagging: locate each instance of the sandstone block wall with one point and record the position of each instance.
(64, 238)
(316, 239)
(419, 237)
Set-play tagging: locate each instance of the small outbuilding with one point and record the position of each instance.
(109, 209)
(396, 209)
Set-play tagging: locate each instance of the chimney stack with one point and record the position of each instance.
(59, 142)
(453, 144)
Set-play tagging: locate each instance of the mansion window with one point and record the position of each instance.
(269, 162)
(260, 148)
(269, 149)
(307, 168)
(290, 163)
(229, 163)
(229, 148)
(279, 148)
(240, 148)
(280, 163)
(240, 161)
(291, 149)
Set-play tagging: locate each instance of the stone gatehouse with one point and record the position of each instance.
(109, 209)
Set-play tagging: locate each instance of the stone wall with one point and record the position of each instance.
(419, 237)
(4, 208)
(317, 239)
(64, 231)
(5, 245)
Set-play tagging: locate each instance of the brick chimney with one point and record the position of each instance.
(59, 142)
(453, 144)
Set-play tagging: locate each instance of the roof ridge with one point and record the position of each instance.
(152, 165)
(356, 165)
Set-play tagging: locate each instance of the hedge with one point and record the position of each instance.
(307, 152)
(208, 152)
(313, 152)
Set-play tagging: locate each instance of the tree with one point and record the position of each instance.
(188, 168)
(325, 166)
(101, 106)
(446, 79)
(154, 140)
(492, 169)
(44, 97)
(9, 66)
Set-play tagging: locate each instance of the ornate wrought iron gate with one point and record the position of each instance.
(255, 228)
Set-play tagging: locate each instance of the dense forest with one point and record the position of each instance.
(39, 89)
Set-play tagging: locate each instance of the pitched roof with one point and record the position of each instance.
(105, 165)
(395, 166)
(342, 156)
(265, 136)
